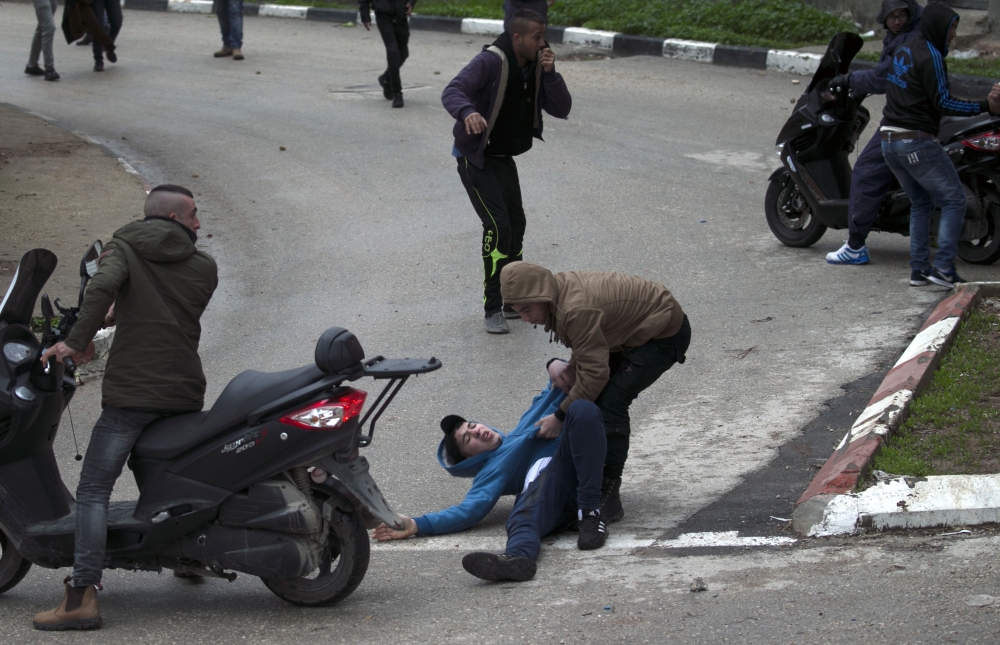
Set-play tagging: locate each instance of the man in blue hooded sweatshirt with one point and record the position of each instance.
(871, 178)
(916, 98)
(557, 483)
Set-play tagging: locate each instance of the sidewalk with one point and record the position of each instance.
(59, 192)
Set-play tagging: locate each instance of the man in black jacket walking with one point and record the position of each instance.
(391, 19)
(160, 285)
(916, 98)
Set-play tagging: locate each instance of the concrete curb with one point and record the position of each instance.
(830, 507)
(616, 43)
(777, 60)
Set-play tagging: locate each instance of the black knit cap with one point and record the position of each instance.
(448, 425)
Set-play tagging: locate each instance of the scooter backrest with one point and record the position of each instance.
(338, 349)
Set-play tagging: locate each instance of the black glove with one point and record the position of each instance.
(838, 83)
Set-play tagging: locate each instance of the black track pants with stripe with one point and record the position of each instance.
(495, 193)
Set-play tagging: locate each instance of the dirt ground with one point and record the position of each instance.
(57, 192)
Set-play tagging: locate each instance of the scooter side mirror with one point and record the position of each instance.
(47, 313)
(88, 267)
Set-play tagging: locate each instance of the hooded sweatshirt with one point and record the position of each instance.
(160, 285)
(594, 314)
(872, 81)
(496, 472)
(477, 86)
(917, 93)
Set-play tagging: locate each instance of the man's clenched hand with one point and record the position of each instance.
(385, 533)
(563, 375)
(547, 60)
(548, 427)
(475, 123)
(60, 350)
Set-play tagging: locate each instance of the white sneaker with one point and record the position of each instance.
(847, 255)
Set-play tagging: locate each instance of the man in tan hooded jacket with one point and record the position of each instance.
(625, 332)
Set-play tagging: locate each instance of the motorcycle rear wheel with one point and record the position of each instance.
(13, 567)
(342, 567)
(795, 225)
(985, 250)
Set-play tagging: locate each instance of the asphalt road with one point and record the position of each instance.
(327, 207)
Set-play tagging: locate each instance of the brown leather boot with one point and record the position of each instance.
(78, 610)
(237, 54)
(222, 53)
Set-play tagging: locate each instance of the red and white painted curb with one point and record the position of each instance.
(831, 507)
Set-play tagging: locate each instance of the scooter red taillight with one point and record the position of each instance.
(329, 414)
(986, 141)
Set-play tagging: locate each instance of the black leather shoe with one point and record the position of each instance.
(397, 100)
(611, 501)
(34, 71)
(386, 92)
(99, 66)
(109, 51)
(51, 74)
(493, 567)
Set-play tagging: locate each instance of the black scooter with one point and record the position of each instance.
(268, 482)
(810, 192)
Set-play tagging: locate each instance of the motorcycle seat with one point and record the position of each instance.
(172, 436)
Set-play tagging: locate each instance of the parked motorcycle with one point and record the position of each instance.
(268, 482)
(811, 191)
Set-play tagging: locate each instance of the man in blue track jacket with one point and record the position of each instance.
(557, 483)
(871, 178)
(916, 98)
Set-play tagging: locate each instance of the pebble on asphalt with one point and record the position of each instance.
(698, 585)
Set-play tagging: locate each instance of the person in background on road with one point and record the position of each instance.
(916, 98)
(557, 483)
(871, 177)
(80, 20)
(625, 332)
(497, 102)
(159, 284)
(391, 18)
(109, 14)
(45, 12)
(541, 7)
(230, 15)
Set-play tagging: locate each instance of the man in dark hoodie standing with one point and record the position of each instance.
(871, 177)
(916, 98)
(391, 18)
(159, 284)
(497, 102)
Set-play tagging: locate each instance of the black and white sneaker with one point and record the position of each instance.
(943, 279)
(593, 530)
(918, 278)
(498, 567)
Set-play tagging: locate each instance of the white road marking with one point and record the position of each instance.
(567, 541)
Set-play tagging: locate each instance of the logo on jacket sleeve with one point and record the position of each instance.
(902, 61)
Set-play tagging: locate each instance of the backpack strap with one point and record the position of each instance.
(504, 71)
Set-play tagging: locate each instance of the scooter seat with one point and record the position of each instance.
(168, 438)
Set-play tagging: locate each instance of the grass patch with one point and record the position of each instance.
(954, 426)
(983, 66)
(781, 24)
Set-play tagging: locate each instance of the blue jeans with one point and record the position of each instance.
(45, 11)
(571, 481)
(230, 14)
(871, 179)
(115, 432)
(927, 175)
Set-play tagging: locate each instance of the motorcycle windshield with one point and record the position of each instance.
(840, 52)
(32, 273)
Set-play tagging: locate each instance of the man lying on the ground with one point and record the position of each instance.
(557, 482)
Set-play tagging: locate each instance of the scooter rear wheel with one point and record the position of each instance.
(986, 249)
(343, 566)
(788, 214)
(13, 567)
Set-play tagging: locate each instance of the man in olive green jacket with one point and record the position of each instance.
(625, 332)
(159, 284)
